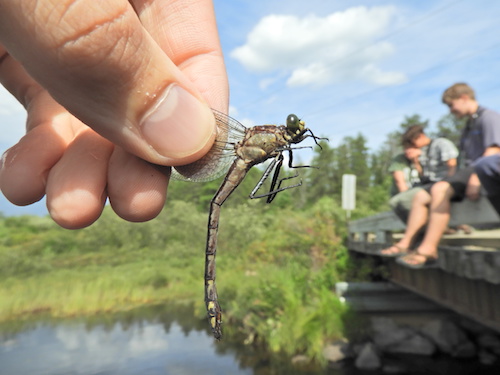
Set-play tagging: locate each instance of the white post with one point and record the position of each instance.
(348, 194)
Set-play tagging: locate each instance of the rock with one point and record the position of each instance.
(394, 369)
(416, 344)
(489, 341)
(368, 358)
(465, 349)
(472, 326)
(381, 324)
(356, 348)
(486, 358)
(300, 359)
(392, 338)
(337, 351)
(386, 333)
(447, 336)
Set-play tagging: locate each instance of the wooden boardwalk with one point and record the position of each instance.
(467, 279)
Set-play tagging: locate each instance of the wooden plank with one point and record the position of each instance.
(475, 299)
(475, 213)
(382, 297)
(381, 222)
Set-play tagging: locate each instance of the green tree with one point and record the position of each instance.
(322, 179)
(450, 127)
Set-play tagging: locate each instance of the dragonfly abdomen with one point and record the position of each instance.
(236, 174)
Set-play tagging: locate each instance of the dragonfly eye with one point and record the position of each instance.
(293, 124)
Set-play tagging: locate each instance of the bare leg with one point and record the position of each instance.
(441, 194)
(417, 219)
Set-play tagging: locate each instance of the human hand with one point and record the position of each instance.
(413, 153)
(473, 189)
(141, 75)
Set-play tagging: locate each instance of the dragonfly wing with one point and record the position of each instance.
(217, 161)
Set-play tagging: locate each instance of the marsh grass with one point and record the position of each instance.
(276, 269)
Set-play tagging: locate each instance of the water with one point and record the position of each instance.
(140, 349)
(164, 340)
(145, 341)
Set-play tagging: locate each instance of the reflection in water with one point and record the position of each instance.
(143, 348)
(163, 340)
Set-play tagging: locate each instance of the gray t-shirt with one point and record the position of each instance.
(434, 157)
(482, 131)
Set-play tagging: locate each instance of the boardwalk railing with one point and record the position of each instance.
(467, 279)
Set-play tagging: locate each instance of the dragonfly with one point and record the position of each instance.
(236, 150)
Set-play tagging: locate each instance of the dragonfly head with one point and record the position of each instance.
(294, 126)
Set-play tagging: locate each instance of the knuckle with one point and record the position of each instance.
(86, 35)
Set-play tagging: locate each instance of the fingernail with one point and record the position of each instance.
(177, 126)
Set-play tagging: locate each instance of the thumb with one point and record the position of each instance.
(97, 60)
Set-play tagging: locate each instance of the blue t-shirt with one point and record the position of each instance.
(481, 131)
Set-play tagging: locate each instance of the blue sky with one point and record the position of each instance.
(344, 67)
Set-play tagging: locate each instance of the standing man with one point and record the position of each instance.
(481, 137)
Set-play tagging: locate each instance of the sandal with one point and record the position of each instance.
(393, 254)
(427, 263)
(466, 229)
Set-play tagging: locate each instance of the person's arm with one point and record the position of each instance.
(109, 88)
(491, 150)
(418, 167)
(452, 166)
(413, 155)
(400, 181)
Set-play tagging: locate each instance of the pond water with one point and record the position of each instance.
(138, 349)
(146, 341)
(155, 340)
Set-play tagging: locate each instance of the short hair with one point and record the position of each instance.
(411, 133)
(456, 91)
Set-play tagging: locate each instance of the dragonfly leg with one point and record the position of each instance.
(264, 177)
(316, 139)
(274, 192)
(271, 194)
(290, 161)
(275, 179)
(311, 134)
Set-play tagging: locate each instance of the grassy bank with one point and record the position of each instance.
(276, 269)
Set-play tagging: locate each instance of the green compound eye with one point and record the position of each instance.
(292, 123)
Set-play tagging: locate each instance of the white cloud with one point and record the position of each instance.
(316, 50)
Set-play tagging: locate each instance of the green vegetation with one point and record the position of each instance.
(276, 268)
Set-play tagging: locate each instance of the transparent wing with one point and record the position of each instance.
(217, 161)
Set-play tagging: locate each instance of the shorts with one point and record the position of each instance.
(401, 203)
(458, 183)
(488, 171)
